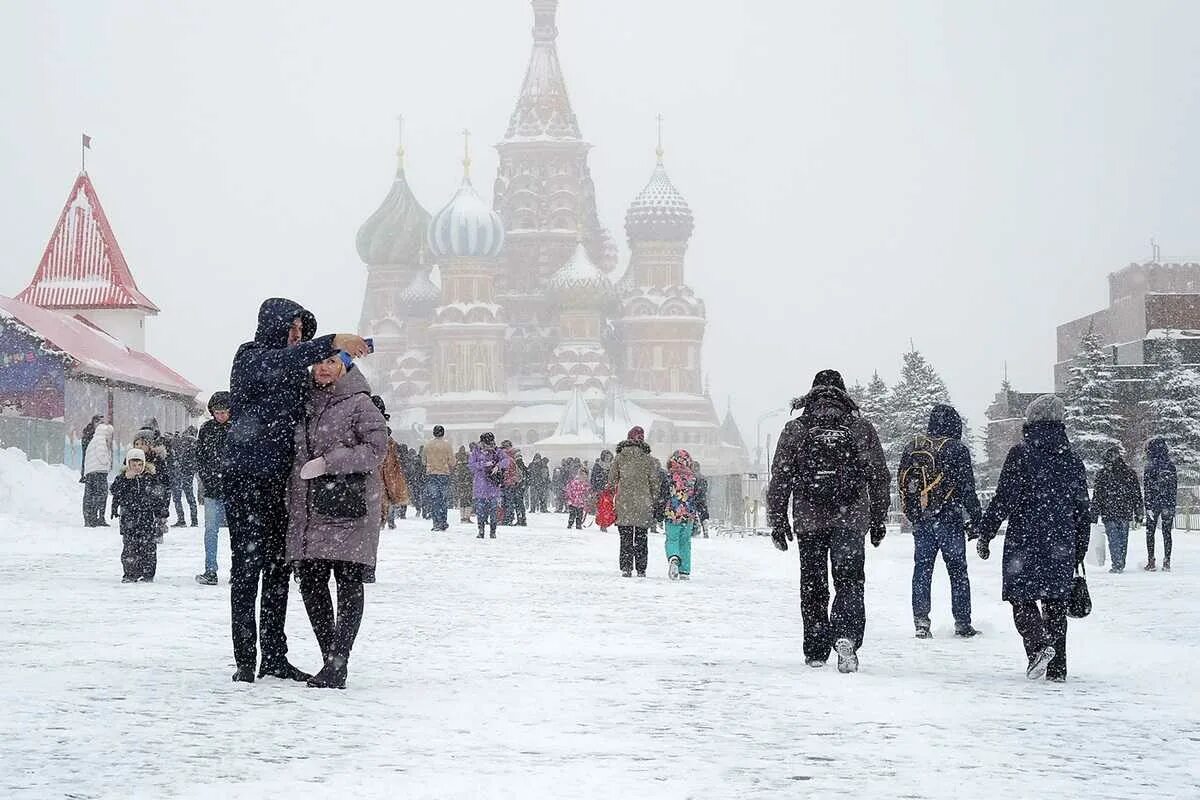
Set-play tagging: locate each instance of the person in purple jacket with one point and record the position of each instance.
(488, 465)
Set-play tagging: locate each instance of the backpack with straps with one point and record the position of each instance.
(830, 472)
(924, 488)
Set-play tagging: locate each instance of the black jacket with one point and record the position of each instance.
(1160, 480)
(1116, 494)
(141, 502)
(955, 458)
(268, 387)
(210, 458)
(184, 447)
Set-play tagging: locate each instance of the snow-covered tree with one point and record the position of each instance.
(873, 402)
(912, 398)
(1090, 398)
(1174, 409)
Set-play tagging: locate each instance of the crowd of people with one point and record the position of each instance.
(298, 462)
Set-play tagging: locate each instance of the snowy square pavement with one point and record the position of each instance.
(526, 667)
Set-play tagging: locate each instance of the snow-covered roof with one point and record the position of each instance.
(541, 414)
(83, 266)
(1171, 333)
(93, 351)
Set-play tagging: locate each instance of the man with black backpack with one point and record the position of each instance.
(937, 494)
(830, 467)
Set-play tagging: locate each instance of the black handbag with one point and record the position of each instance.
(1080, 604)
(336, 496)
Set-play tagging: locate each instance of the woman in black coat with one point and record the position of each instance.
(1043, 494)
(1117, 500)
(1162, 485)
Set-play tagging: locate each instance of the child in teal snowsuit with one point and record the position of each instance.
(680, 514)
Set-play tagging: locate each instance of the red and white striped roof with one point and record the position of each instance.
(83, 266)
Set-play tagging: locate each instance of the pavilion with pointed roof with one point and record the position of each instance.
(527, 330)
(73, 344)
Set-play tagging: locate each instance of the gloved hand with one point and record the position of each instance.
(114, 513)
(781, 537)
(983, 547)
(877, 534)
(313, 469)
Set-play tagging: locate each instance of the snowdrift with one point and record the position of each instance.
(35, 490)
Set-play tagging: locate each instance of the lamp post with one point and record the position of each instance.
(758, 440)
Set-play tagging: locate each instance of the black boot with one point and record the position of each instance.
(244, 675)
(330, 676)
(283, 670)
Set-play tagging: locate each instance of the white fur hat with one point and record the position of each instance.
(134, 454)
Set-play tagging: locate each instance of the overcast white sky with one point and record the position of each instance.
(964, 174)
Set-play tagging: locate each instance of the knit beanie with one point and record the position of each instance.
(636, 434)
(1047, 408)
(829, 377)
(134, 454)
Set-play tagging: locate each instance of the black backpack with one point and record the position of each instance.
(924, 488)
(830, 473)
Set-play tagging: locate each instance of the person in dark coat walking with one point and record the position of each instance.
(268, 387)
(1162, 486)
(1043, 494)
(701, 501)
(539, 484)
(1117, 500)
(944, 529)
(558, 486)
(210, 463)
(833, 442)
(184, 449)
(461, 486)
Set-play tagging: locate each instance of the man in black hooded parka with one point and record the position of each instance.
(268, 389)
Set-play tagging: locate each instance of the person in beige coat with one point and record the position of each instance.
(636, 478)
(439, 463)
(334, 499)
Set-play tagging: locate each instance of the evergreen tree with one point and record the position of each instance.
(1090, 399)
(1174, 409)
(873, 402)
(913, 397)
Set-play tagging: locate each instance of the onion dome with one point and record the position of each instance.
(420, 296)
(467, 227)
(580, 282)
(395, 233)
(659, 212)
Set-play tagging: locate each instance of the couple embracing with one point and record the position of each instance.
(304, 493)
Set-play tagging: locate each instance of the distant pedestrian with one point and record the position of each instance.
(439, 461)
(184, 474)
(1117, 500)
(702, 515)
(97, 464)
(1043, 494)
(461, 485)
(1161, 486)
(680, 515)
(635, 481)
(577, 492)
(489, 465)
(85, 438)
(141, 499)
(210, 463)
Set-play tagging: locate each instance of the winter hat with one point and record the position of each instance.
(378, 401)
(146, 435)
(636, 434)
(829, 377)
(1047, 408)
(134, 454)
(488, 438)
(680, 461)
(218, 402)
(506, 443)
(438, 431)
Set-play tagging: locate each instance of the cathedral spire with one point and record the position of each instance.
(543, 109)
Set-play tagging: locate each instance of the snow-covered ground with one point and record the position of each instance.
(527, 667)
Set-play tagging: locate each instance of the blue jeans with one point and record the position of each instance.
(486, 514)
(1118, 541)
(214, 520)
(947, 534)
(437, 493)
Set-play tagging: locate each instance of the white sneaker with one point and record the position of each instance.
(847, 656)
(673, 568)
(1039, 664)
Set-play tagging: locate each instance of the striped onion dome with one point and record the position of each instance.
(659, 212)
(580, 282)
(467, 227)
(420, 296)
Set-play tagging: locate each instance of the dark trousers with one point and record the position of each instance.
(487, 514)
(1044, 627)
(335, 633)
(514, 506)
(95, 498)
(186, 487)
(947, 535)
(848, 618)
(634, 548)
(437, 489)
(1168, 522)
(139, 557)
(537, 500)
(258, 519)
(575, 518)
